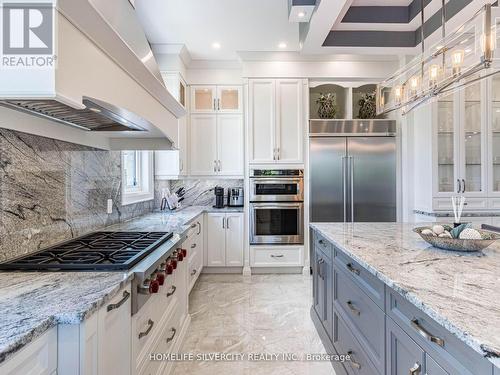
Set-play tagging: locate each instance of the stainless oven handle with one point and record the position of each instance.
(267, 180)
(277, 206)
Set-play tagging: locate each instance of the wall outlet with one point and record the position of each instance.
(109, 209)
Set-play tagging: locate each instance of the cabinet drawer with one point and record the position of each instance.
(346, 343)
(276, 256)
(323, 244)
(194, 268)
(372, 286)
(432, 368)
(365, 318)
(444, 204)
(451, 353)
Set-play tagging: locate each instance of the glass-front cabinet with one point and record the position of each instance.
(460, 129)
(494, 136)
(216, 99)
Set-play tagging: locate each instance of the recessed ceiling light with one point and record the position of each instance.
(282, 45)
(301, 14)
(216, 45)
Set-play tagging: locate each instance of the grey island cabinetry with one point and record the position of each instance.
(399, 307)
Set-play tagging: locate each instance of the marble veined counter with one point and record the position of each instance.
(459, 291)
(33, 302)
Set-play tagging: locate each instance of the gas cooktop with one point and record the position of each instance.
(99, 251)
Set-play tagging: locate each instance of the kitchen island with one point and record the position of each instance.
(400, 306)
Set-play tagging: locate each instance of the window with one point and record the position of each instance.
(137, 176)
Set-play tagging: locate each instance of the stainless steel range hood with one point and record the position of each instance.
(96, 116)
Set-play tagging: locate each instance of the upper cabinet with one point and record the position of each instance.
(276, 120)
(456, 149)
(176, 85)
(216, 99)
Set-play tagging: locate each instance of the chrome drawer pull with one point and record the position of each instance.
(193, 246)
(193, 272)
(322, 243)
(173, 334)
(193, 225)
(174, 288)
(199, 227)
(424, 333)
(415, 370)
(352, 269)
(354, 364)
(354, 310)
(277, 256)
(146, 332)
(126, 296)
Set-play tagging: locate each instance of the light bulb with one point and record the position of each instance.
(398, 93)
(457, 60)
(433, 74)
(414, 84)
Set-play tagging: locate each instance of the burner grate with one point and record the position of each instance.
(96, 251)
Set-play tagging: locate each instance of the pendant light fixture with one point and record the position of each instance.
(457, 60)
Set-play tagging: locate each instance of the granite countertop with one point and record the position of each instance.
(459, 291)
(33, 302)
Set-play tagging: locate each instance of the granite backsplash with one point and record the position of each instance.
(199, 192)
(51, 191)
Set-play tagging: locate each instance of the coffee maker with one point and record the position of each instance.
(219, 197)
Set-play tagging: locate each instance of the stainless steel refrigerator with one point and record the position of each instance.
(352, 171)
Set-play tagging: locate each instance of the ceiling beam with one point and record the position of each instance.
(314, 33)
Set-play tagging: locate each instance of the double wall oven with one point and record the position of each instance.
(276, 206)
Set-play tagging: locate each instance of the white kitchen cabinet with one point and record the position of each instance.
(230, 145)
(176, 85)
(203, 145)
(170, 164)
(276, 118)
(216, 240)
(224, 240)
(216, 145)
(234, 239)
(203, 99)
(37, 358)
(216, 99)
(114, 329)
(452, 150)
(101, 343)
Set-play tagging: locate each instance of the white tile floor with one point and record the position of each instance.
(257, 314)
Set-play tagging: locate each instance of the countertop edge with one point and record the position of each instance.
(463, 336)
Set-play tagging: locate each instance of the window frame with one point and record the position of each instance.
(145, 175)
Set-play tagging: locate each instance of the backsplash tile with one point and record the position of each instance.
(51, 191)
(199, 192)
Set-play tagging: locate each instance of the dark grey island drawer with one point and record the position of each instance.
(323, 244)
(346, 343)
(369, 283)
(363, 316)
(451, 353)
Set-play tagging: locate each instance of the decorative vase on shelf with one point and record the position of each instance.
(367, 106)
(327, 108)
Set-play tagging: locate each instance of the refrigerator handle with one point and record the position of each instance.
(351, 163)
(344, 186)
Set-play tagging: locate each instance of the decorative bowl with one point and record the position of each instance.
(456, 244)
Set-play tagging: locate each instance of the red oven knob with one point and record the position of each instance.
(184, 252)
(154, 286)
(160, 277)
(180, 257)
(174, 263)
(169, 269)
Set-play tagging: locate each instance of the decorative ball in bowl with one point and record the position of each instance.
(460, 238)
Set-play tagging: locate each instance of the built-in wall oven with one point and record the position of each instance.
(276, 206)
